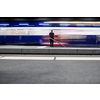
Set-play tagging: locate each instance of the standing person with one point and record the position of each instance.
(51, 35)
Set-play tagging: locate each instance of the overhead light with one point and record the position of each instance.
(43, 23)
(4, 24)
(23, 24)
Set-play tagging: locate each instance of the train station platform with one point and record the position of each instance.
(19, 49)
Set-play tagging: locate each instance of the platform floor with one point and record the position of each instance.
(47, 50)
(49, 69)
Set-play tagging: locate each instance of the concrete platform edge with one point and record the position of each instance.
(50, 51)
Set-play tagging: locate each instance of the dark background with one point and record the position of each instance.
(49, 18)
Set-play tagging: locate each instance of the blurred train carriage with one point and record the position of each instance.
(68, 33)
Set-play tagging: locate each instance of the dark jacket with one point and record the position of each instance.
(51, 35)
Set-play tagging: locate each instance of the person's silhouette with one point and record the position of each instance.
(51, 35)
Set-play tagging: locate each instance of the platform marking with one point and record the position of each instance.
(28, 58)
(42, 47)
(77, 58)
(0, 56)
(49, 58)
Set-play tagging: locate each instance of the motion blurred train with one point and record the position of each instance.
(66, 33)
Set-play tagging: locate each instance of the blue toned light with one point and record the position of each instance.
(43, 23)
(4, 24)
(23, 24)
(64, 24)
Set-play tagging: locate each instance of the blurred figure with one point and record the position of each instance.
(51, 35)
